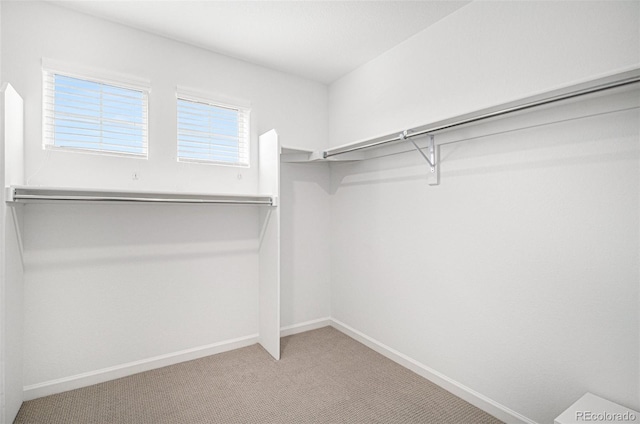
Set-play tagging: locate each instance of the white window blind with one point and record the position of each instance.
(86, 114)
(212, 133)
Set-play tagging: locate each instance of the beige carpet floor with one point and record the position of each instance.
(323, 377)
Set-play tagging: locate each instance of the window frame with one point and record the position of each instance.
(242, 107)
(50, 68)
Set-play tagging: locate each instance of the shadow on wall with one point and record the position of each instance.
(81, 235)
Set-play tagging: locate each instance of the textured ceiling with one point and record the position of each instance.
(318, 40)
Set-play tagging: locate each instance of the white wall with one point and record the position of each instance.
(108, 285)
(484, 54)
(518, 276)
(134, 282)
(3, 213)
(305, 227)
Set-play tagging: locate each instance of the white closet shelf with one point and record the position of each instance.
(300, 155)
(608, 82)
(27, 194)
(356, 151)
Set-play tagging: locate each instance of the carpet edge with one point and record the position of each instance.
(478, 400)
(77, 381)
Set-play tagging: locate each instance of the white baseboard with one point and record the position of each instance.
(488, 405)
(105, 374)
(305, 326)
(94, 377)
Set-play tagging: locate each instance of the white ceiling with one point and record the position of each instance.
(318, 40)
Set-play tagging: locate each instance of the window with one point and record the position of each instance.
(91, 115)
(212, 132)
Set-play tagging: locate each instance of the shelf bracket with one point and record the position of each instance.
(431, 158)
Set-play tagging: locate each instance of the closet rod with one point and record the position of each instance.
(139, 199)
(591, 87)
(28, 194)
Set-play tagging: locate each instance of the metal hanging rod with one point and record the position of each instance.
(591, 87)
(27, 194)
